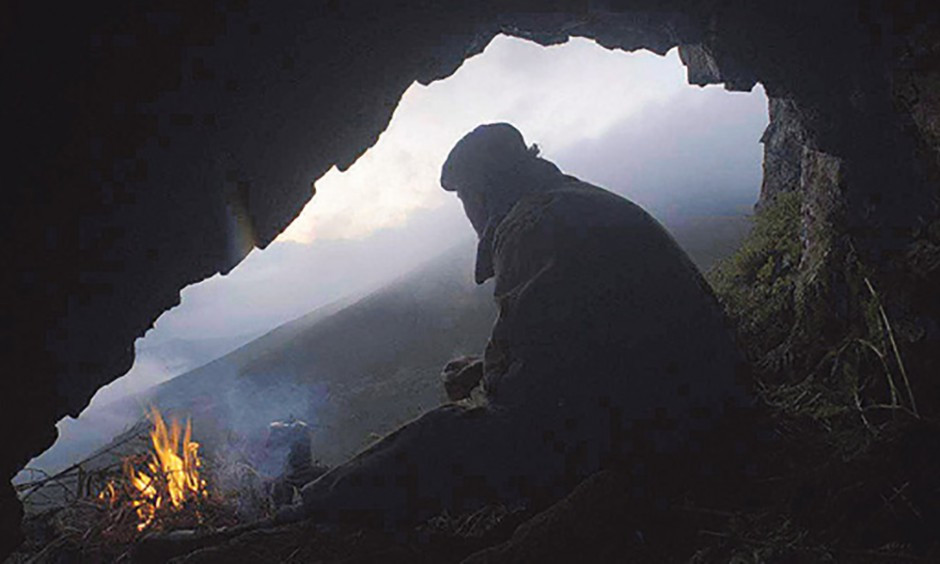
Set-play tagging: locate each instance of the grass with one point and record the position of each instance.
(850, 477)
(757, 283)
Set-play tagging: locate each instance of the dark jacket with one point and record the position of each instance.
(609, 348)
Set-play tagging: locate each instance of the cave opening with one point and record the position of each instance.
(626, 121)
(142, 117)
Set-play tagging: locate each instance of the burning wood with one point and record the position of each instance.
(158, 493)
(163, 481)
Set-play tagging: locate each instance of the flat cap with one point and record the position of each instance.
(488, 149)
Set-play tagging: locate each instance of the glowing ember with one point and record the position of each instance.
(170, 478)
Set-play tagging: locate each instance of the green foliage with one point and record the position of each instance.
(757, 283)
(850, 375)
(830, 373)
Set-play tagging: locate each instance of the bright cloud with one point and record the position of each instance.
(557, 96)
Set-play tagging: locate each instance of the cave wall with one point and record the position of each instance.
(154, 145)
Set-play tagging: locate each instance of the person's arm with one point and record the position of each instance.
(524, 257)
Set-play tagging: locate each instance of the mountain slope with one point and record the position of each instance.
(364, 368)
(352, 368)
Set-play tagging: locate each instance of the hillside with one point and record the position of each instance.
(350, 370)
(353, 369)
(356, 370)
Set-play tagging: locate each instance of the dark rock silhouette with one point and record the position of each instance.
(609, 350)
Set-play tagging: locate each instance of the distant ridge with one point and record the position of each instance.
(352, 369)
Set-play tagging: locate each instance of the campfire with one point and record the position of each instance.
(142, 494)
(162, 482)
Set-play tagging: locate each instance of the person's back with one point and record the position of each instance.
(599, 304)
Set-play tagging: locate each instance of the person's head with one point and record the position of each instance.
(488, 170)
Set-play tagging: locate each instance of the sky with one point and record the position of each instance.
(625, 121)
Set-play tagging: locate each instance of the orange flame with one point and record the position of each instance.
(171, 477)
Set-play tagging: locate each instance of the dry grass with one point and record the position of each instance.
(850, 476)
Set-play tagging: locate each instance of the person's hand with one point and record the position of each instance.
(461, 375)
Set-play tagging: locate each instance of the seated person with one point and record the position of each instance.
(609, 350)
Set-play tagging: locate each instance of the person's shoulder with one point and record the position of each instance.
(544, 209)
(576, 200)
(570, 203)
(572, 188)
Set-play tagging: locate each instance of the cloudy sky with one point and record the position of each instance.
(626, 121)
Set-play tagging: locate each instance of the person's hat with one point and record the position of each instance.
(486, 150)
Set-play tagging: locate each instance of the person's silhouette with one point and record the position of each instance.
(609, 349)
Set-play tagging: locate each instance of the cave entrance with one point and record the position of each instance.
(626, 121)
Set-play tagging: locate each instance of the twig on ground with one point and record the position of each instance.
(894, 346)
